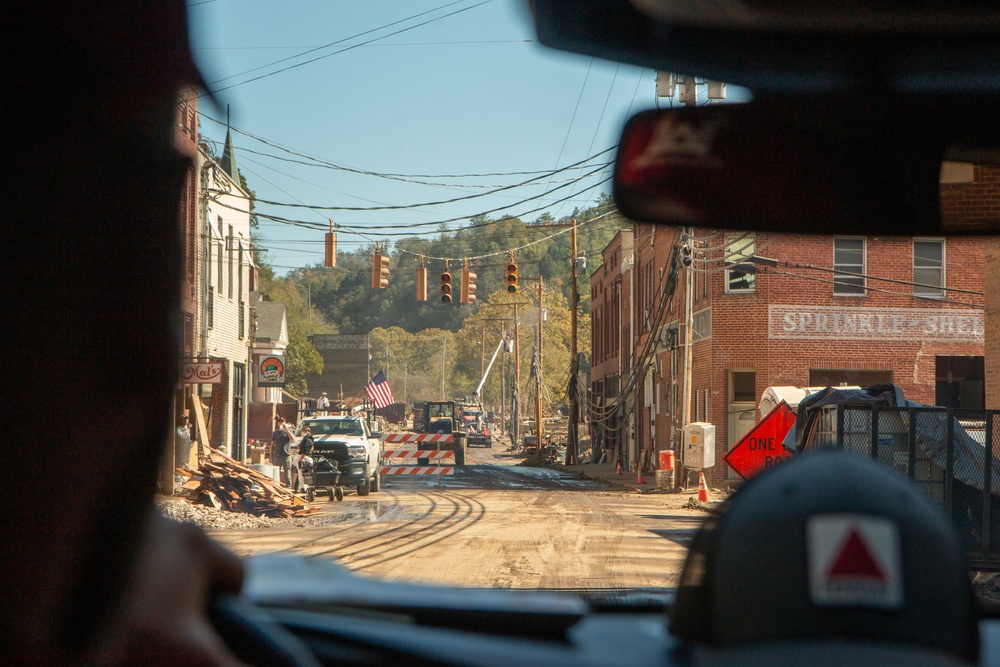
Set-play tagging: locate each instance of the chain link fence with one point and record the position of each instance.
(951, 454)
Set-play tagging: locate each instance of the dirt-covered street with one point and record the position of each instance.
(495, 524)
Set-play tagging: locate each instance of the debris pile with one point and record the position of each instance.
(224, 483)
(209, 518)
(693, 504)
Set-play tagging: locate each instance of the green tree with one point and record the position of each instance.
(300, 355)
(348, 298)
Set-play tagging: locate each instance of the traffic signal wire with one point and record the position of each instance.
(415, 179)
(453, 200)
(328, 164)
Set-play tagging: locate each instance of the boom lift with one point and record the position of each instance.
(479, 432)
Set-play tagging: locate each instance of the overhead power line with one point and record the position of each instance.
(310, 159)
(345, 49)
(453, 200)
(875, 289)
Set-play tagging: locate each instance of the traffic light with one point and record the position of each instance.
(445, 287)
(330, 250)
(421, 283)
(380, 271)
(468, 291)
(511, 277)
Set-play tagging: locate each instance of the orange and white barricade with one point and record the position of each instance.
(411, 452)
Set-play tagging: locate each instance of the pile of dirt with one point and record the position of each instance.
(212, 519)
(535, 461)
(694, 504)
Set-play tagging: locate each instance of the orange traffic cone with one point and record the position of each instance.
(703, 496)
(639, 479)
(618, 470)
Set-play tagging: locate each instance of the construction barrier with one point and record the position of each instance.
(422, 457)
(417, 470)
(419, 454)
(420, 437)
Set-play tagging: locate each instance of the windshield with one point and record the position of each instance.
(332, 427)
(409, 208)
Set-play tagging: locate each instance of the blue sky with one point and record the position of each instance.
(462, 89)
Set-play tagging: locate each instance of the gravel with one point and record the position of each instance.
(212, 519)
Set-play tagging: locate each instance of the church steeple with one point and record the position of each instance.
(228, 161)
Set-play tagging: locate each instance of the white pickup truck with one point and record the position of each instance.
(347, 442)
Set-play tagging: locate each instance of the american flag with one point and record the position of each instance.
(379, 391)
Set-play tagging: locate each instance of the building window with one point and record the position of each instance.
(738, 249)
(701, 325)
(928, 267)
(243, 320)
(240, 271)
(744, 387)
(188, 335)
(220, 255)
(229, 260)
(849, 266)
(210, 314)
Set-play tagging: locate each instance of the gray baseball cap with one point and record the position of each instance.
(829, 558)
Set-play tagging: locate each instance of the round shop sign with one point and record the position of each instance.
(272, 369)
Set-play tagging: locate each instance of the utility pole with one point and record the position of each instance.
(516, 409)
(539, 424)
(444, 356)
(503, 381)
(517, 366)
(634, 430)
(688, 326)
(574, 363)
(538, 389)
(539, 429)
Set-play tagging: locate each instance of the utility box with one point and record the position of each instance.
(699, 445)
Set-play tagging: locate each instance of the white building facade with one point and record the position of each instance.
(227, 277)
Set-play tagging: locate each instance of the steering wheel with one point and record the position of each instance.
(255, 637)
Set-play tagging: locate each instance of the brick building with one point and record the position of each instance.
(835, 310)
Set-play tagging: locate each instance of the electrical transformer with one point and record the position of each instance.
(699, 446)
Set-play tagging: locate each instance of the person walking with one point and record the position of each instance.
(281, 438)
(302, 459)
(182, 443)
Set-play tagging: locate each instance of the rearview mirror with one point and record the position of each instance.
(784, 166)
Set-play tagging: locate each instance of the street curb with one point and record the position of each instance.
(622, 484)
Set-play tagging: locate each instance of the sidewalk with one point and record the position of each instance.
(606, 472)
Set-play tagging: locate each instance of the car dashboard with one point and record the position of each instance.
(339, 618)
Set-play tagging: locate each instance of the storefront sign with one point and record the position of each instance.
(271, 370)
(826, 323)
(201, 372)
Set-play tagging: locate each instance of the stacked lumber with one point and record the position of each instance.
(225, 483)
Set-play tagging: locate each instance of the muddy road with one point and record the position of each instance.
(495, 524)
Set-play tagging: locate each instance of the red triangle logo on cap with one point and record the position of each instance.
(855, 560)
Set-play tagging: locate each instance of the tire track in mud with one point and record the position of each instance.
(388, 535)
(387, 545)
(353, 526)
